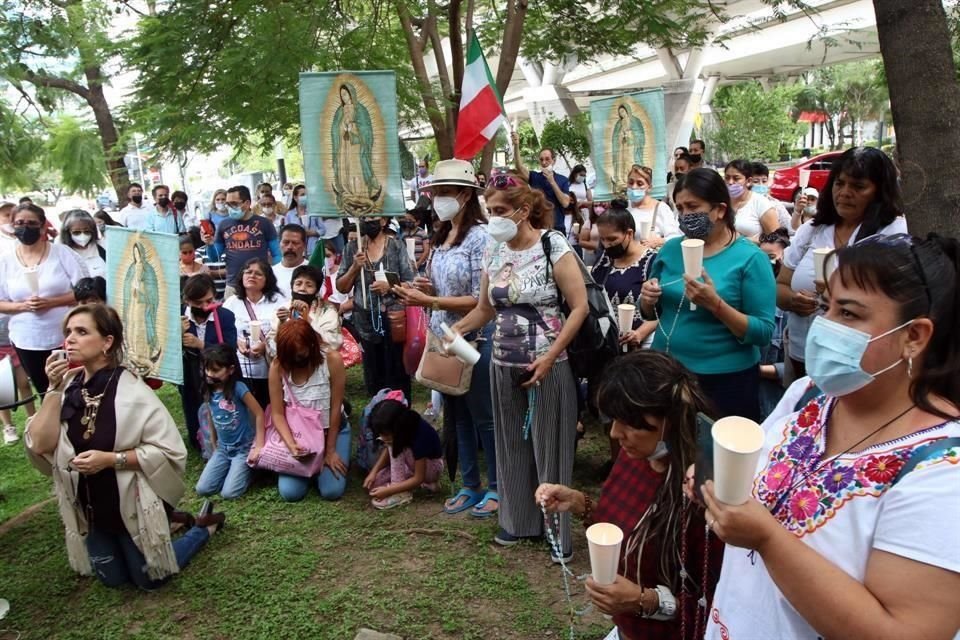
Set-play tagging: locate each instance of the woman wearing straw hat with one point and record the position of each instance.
(455, 271)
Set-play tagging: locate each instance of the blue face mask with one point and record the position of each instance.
(833, 354)
(636, 195)
(660, 451)
(302, 201)
(696, 225)
(235, 213)
(760, 189)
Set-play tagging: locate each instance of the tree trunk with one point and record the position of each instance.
(925, 101)
(416, 47)
(113, 152)
(512, 31)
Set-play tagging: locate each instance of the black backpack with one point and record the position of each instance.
(598, 341)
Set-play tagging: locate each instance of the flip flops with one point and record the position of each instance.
(472, 499)
(478, 510)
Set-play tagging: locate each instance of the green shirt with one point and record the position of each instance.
(744, 279)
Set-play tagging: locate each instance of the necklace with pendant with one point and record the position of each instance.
(92, 407)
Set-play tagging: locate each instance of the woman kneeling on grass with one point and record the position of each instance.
(412, 456)
(116, 457)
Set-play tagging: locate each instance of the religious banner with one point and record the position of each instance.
(628, 130)
(351, 154)
(143, 285)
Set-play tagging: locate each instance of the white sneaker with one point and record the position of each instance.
(10, 434)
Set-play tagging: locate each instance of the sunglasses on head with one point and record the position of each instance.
(504, 181)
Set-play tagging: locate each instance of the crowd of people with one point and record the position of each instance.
(848, 528)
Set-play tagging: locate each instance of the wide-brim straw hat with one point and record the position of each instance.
(457, 173)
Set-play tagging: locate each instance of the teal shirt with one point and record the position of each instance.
(744, 279)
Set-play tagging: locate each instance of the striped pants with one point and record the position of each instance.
(545, 456)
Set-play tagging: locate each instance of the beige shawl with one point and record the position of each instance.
(143, 424)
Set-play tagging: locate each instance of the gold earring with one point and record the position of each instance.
(910, 367)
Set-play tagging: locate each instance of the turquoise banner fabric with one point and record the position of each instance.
(143, 285)
(628, 130)
(351, 155)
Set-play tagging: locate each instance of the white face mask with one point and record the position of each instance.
(221, 206)
(446, 207)
(581, 179)
(502, 228)
(81, 239)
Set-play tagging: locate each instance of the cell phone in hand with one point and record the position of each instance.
(704, 464)
(59, 354)
(525, 377)
(393, 278)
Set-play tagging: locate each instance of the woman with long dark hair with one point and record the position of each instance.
(861, 198)
(852, 525)
(653, 401)
(254, 307)
(720, 339)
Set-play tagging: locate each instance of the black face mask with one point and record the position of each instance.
(200, 313)
(696, 158)
(371, 228)
(137, 199)
(180, 205)
(679, 174)
(406, 225)
(615, 252)
(304, 297)
(163, 201)
(27, 235)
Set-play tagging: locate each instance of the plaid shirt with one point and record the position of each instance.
(628, 491)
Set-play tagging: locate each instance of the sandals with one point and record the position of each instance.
(478, 510)
(472, 499)
(395, 500)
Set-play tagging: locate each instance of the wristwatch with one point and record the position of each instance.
(667, 609)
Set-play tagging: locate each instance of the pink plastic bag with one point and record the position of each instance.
(416, 339)
(308, 429)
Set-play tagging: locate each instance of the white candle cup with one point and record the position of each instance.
(625, 315)
(819, 264)
(412, 249)
(460, 348)
(804, 178)
(604, 540)
(692, 260)
(737, 443)
(33, 281)
(576, 228)
(380, 276)
(644, 230)
(255, 331)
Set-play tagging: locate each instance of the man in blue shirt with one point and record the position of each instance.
(243, 236)
(163, 218)
(554, 186)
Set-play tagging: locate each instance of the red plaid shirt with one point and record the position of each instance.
(628, 491)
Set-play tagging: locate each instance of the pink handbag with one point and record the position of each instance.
(308, 429)
(416, 339)
(349, 349)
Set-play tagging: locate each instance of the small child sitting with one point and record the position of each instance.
(412, 457)
(238, 425)
(305, 284)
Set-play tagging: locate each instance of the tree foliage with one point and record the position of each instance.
(754, 123)
(20, 146)
(74, 151)
(569, 137)
(849, 94)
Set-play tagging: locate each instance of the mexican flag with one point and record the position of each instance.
(481, 109)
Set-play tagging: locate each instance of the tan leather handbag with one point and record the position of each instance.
(441, 371)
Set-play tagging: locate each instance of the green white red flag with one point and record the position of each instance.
(481, 108)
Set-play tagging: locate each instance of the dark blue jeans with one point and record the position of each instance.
(473, 416)
(116, 560)
(735, 393)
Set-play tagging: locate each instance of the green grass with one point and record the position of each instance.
(313, 569)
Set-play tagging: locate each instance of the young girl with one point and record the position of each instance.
(189, 265)
(238, 423)
(411, 458)
(306, 282)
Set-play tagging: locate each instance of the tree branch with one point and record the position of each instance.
(430, 29)
(54, 82)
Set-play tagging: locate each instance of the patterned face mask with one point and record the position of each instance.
(696, 225)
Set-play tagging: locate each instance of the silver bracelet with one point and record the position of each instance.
(121, 460)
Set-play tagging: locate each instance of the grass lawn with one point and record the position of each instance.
(313, 569)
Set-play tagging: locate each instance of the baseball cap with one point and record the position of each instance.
(810, 192)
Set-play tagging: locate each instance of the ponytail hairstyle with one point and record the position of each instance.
(519, 194)
(618, 217)
(393, 418)
(921, 276)
(221, 356)
(650, 383)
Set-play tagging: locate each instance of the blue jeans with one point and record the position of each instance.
(472, 414)
(226, 473)
(294, 488)
(116, 560)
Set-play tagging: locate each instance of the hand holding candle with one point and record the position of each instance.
(692, 260)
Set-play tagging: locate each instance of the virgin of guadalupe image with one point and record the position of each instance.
(627, 146)
(141, 294)
(354, 183)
